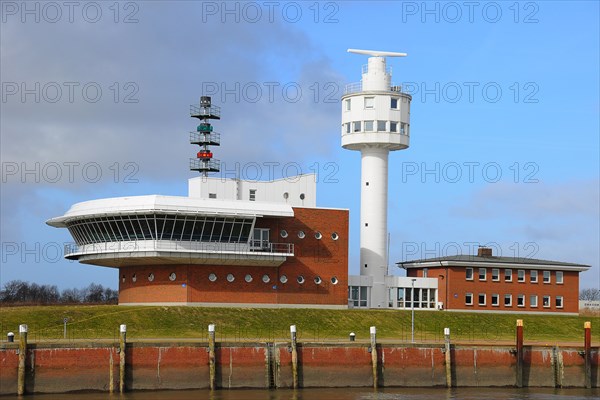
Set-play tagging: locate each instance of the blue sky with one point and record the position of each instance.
(504, 118)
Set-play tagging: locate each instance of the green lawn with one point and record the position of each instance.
(236, 324)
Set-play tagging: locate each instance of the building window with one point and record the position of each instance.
(248, 278)
(482, 274)
(335, 236)
(212, 195)
(266, 278)
(469, 274)
(318, 235)
(134, 278)
(508, 300)
(260, 238)
(559, 301)
(394, 103)
(123, 279)
(301, 234)
(533, 300)
(252, 195)
(230, 278)
(318, 280)
(495, 274)
(357, 296)
(469, 299)
(495, 300)
(559, 277)
(348, 103)
(508, 275)
(368, 126)
(403, 129)
(393, 126)
(283, 233)
(212, 277)
(300, 279)
(521, 275)
(546, 276)
(533, 276)
(369, 102)
(400, 301)
(150, 277)
(546, 301)
(334, 280)
(521, 300)
(283, 279)
(172, 276)
(356, 126)
(482, 299)
(347, 125)
(425, 272)
(381, 125)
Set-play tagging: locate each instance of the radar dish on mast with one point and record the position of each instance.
(376, 53)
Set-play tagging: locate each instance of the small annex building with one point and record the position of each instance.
(489, 283)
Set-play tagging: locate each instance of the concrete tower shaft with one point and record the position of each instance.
(375, 121)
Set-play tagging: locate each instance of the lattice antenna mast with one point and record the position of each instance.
(205, 137)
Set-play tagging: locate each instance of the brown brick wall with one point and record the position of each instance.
(454, 278)
(326, 258)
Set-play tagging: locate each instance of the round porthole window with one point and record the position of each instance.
(334, 280)
(318, 235)
(151, 277)
(301, 234)
(302, 196)
(266, 278)
(300, 279)
(212, 277)
(335, 236)
(286, 195)
(248, 278)
(172, 276)
(283, 279)
(134, 278)
(230, 278)
(318, 280)
(283, 233)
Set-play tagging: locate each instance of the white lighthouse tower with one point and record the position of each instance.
(375, 121)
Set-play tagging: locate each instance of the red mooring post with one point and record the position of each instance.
(519, 353)
(587, 344)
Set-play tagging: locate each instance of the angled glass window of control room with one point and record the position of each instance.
(199, 228)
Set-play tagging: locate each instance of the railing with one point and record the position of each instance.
(365, 69)
(205, 111)
(357, 87)
(200, 138)
(72, 249)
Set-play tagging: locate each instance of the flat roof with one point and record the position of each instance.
(469, 261)
(170, 204)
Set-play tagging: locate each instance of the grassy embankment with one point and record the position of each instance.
(102, 322)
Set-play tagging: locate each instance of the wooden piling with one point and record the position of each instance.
(587, 345)
(373, 331)
(520, 353)
(111, 378)
(122, 358)
(294, 357)
(211, 357)
(22, 357)
(557, 361)
(448, 357)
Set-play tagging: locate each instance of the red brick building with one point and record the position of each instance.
(231, 242)
(490, 283)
